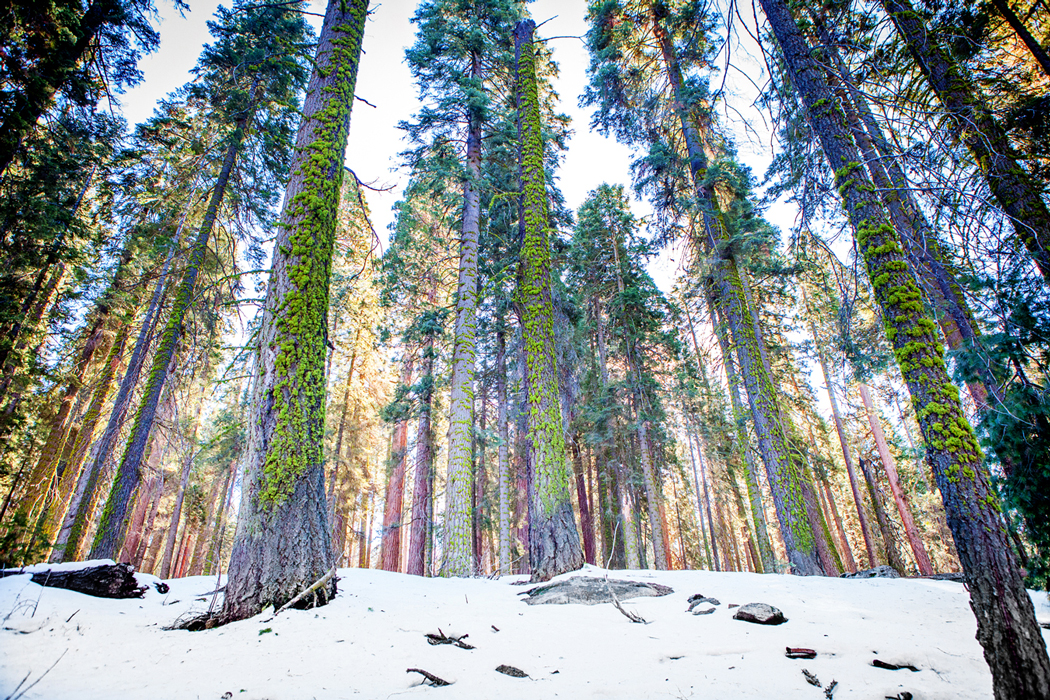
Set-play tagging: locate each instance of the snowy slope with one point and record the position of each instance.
(362, 643)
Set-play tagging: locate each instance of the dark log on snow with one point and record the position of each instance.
(104, 581)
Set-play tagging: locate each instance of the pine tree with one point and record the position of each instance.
(1013, 644)
(250, 70)
(283, 540)
(554, 542)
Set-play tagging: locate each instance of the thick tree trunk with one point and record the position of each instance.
(1006, 625)
(554, 542)
(1014, 189)
(283, 541)
(922, 559)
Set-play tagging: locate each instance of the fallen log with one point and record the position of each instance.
(104, 581)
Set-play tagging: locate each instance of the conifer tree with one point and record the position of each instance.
(283, 540)
(1006, 627)
(460, 51)
(249, 71)
(554, 542)
(626, 79)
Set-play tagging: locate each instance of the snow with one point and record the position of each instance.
(66, 566)
(362, 643)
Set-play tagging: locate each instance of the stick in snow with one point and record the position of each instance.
(313, 587)
(434, 680)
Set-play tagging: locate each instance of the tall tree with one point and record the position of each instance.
(283, 540)
(1006, 627)
(554, 542)
(639, 84)
(250, 70)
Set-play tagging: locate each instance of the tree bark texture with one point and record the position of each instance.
(458, 559)
(554, 542)
(283, 540)
(1006, 627)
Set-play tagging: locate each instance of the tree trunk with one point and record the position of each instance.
(85, 499)
(72, 470)
(150, 522)
(504, 443)
(922, 559)
(393, 503)
(554, 542)
(858, 499)
(421, 495)
(716, 560)
(784, 472)
(1006, 625)
(113, 527)
(1013, 188)
(586, 524)
(705, 532)
(889, 540)
(196, 565)
(283, 541)
(758, 511)
(1038, 52)
(458, 559)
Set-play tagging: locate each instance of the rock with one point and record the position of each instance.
(589, 590)
(511, 671)
(760, 613)
(878, 572)
(698, 599)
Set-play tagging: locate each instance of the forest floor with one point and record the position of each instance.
(72, 646)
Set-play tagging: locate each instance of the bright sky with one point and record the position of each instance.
(384, 80)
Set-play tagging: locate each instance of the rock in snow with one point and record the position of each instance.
(760, 613)
(588, 590)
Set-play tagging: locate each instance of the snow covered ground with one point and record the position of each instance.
(362, 643)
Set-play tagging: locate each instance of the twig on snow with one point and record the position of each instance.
(313, 587)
